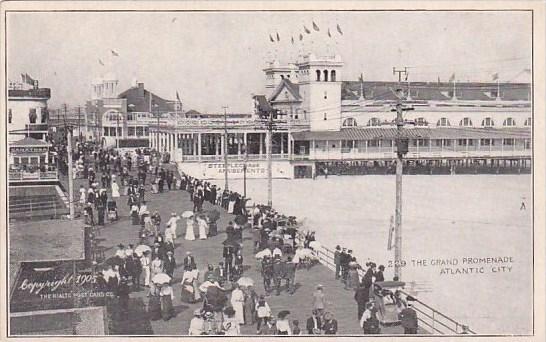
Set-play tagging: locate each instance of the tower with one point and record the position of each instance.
(275, 73)
(320, 87)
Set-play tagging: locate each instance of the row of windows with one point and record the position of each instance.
(324, 75)
(424, 143)
(443, 122)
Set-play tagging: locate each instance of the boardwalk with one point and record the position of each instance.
(340, 301)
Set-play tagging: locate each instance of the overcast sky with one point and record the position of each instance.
(216, 59)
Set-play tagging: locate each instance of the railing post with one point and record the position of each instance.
(433, 320)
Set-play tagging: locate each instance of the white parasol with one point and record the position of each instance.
(187, 214)
(261, 254)
(140, 249)
(245, 281)
(161, 278)
(315, 244)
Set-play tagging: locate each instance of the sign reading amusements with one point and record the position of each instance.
(51, 285)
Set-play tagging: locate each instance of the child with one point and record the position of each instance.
(296, 327)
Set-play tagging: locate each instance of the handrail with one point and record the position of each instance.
(326, 256)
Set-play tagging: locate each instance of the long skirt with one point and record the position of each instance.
(154, 308)
(167, 309)
(213, 229)
(231, 206)
(187, 293)
(135, 220)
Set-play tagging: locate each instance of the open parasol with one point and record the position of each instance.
(140, 249)
(245, 281)
(161, 278)
(213, 215)
(315, 244)
(241, 219)
(231, 243)
(187, 214)
(282, 314)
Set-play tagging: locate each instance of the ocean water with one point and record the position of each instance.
(448, 222)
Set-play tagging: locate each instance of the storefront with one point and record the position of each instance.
(29, 159)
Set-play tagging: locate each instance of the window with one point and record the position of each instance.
(318, 75)
(443, 122)
(106, 132)
(131, 131)
(333, 76)
(10, 115)
(508, 142)
(488, 122)
(32, 116)
(373, 143)
(325, 118)
(466, 122)
(487, 142)
(374, 122)
(349, 122)
(509, 122)
(325, 75)
(443, 142)
(528, 122)
(282, 77)
(421, 122)
(465, 142)
(146, 131)
(130, 117)
(139, 131)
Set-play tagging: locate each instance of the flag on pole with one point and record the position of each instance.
(306, 30)
(27, 79)
(452, 78)
(278, 37)
(329, 34)
(361, 77)
(271, 39)
(339, 30)
(315, 27)
(301, 36)
(114, 53)
(178, 97)
(495, 76)
(100, 62)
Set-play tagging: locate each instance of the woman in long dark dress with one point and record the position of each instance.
(154, 304)
(135, 219)
(166, 295)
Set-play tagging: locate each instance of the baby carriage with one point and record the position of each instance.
(112, 210)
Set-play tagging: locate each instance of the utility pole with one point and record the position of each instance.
(401, 150)
(226, 187)
(70, 173)
(79, 125)
(269, 143)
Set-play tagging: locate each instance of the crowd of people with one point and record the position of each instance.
(229, 299)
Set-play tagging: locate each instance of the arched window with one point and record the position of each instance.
(349, 122)
(325, 75)
(333, 76)
(282, 77)
(488, 122)
(465, 122)
(374, 122)
(443, 122)
(509, 122)
(528, 122)
(421, 122)
(318, 75)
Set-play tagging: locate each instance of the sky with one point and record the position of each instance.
(216, 59)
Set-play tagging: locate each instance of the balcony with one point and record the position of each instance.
(37, 127)
(30, 176)
(40, 93)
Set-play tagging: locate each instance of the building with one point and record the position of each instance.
(123, 119)
(324, 120)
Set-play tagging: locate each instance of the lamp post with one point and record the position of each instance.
(117, 130)
(156, 113)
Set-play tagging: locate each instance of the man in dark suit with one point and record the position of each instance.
(169, 264)
(159, 251)
(314, 324)
(408, 319)
(337, 260)
(189, 262)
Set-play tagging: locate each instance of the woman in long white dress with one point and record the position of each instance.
(237, 302)
(202, 228)
(115, 190)
(189, 230)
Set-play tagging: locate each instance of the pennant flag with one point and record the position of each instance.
(114, 53)
(329, 34)
(301, 36)
(452, 78)
(339, 30)
(271, 39)
(315, 27)
(361, 77)
(28, 80)
(100, 62)
(495, 76)
(178, 97)
(306, 30)
(278, 37)
(292, 39)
